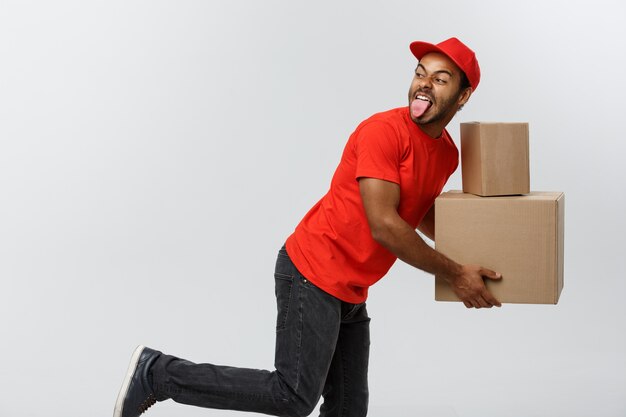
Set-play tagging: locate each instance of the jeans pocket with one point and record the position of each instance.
(283, 290)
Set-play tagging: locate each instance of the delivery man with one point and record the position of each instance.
(393, 167)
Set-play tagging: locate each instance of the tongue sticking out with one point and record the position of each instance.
(419, 107)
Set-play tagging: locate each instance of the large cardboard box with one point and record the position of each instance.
(519, 236)
(494, 158)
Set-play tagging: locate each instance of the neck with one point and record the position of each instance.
(434, 129)
(430, 130)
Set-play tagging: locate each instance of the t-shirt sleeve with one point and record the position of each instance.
(378, 152)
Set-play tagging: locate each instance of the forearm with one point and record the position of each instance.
(398, 237)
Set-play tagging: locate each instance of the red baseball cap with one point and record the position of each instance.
(457, 51)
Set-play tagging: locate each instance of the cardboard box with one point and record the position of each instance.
(494, 158)
(520, 236)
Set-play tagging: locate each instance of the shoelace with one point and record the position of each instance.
(149, 402)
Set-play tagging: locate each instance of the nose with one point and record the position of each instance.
(424, 83)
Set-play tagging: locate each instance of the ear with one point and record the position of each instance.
(464, 96)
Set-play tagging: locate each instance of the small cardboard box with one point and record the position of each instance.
(494, 158)
(519, 236)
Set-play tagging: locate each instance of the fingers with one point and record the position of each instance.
(488, 273)
(472, 290)
(475, 303)
(489, 298)
(483, 303)
(484, 300)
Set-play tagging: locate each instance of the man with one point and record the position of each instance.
(393, 167)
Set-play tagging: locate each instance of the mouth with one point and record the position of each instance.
(420, 105)
(424, 97)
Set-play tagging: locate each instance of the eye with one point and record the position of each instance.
(440, 81)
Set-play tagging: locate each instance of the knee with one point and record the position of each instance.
(297, 406)
(302, 411)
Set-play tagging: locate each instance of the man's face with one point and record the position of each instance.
(437, 81)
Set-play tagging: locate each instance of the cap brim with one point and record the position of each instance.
(419, 49)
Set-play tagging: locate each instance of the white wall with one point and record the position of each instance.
(154, 155)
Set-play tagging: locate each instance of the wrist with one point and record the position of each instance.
(455, 271)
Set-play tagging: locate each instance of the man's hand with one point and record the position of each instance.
(470, 287)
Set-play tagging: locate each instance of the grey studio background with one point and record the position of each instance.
(154, 156)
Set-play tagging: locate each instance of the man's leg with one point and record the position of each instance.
(307, 328)
(346, 391)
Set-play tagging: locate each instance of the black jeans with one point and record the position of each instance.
(322, 349)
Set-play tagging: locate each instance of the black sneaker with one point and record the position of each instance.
(136, 394)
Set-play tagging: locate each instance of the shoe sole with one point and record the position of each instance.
(132, 367)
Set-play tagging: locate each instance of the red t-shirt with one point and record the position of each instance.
(333, 245)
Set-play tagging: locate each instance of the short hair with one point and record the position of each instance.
(464, 82)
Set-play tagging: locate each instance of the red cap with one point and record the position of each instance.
(456, 50)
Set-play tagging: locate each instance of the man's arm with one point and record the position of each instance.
(381, 200)
(427, 226)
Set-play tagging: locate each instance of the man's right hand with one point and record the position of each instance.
(470, 287)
